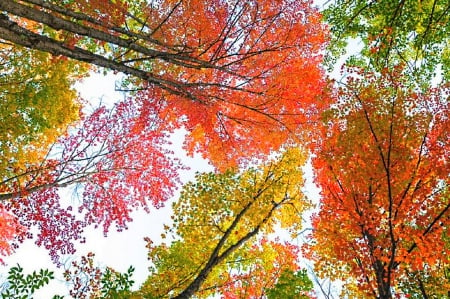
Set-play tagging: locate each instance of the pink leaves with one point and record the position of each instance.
(116, 160)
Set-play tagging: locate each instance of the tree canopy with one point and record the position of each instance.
(246, 80)
(227, 72)
(383, 172)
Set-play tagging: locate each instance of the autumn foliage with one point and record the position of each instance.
(383, 170)
(219, 233)
(105, 162)
(241, 78)
(244, 80)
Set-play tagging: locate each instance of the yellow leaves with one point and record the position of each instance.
(38, 103)
(218, 211)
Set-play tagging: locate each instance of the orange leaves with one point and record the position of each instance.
(383, 181)
(247, 73)
(253, 81)
(9, 229)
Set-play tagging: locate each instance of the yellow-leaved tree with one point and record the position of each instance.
(38, 103)
(221, 225)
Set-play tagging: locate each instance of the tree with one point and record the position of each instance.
(219, 228)
(117, 160)
(382, 166)
(412, 32)
(240, 77)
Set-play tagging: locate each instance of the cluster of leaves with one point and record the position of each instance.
(104, 157)
(90, 281)
(19, 286)
(86, 281)
(415, 33)
(291, 285)
(219, 225)
(38, 102)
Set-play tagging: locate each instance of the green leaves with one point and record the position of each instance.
(410, 32)
(21, 286)
(114, 284)
(291, 285)
(101, 283)
(90, 281)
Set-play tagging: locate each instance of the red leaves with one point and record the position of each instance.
(257, 80)
(9, 229)
(117, 158)
(57, 227)
(133, 168)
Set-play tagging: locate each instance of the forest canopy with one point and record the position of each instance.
(251, 85)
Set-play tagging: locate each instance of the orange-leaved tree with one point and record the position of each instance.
(240, 76)
(382, 165)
